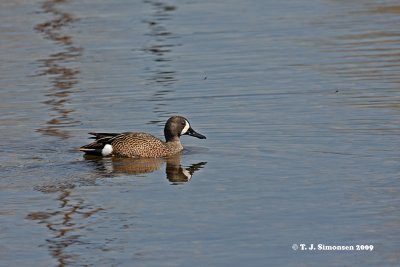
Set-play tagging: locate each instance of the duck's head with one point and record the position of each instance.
(177, 126)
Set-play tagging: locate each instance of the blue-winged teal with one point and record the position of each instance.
(142, 145)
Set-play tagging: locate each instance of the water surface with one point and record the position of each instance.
(299, 101)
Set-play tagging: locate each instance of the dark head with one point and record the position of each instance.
(177, 126)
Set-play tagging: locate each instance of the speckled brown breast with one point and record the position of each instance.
(135, 145)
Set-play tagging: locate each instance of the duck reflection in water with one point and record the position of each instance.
(176, 173)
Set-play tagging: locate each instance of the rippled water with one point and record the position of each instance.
(299, 101)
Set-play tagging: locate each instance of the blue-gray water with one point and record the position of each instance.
(299, 100)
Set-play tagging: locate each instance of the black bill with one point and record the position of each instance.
(192, 132)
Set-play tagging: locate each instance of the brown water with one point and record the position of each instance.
(299, 101)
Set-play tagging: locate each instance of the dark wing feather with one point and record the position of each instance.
(103, 135)
(102, 139)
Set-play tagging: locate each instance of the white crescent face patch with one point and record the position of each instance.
(186, 128)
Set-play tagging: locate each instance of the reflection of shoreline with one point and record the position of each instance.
(175, 172)
(163, 41)
(58, 68)
(160, 48)
(64, 223)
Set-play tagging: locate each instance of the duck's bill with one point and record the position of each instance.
(193, 133)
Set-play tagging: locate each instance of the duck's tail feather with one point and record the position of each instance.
(102, 146)
(91, 151)
(97, 148)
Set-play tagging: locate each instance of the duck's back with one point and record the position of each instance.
(135, 145)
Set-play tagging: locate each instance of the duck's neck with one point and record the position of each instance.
(174, 145)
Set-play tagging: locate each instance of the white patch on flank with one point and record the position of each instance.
(186, 128)
(107, 150)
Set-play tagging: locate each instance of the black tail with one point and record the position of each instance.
(97, 146)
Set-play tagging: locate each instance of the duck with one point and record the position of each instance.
(140, 144)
